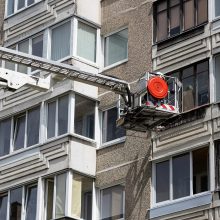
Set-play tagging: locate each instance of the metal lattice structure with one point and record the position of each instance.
(64, 70)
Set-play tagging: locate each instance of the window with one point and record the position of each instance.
(109, 129)
(195, 90)
(116, 47)
(81, 197)
(57, 116)
(175, 16)
(185, 181)
(112, 203)
(217, 8)
(5, 135)
(217, 165)
(84, 123)
(32, 46)
(86, 42)
(26, 128)
(21, 201)
(14, 6)
(60, 41)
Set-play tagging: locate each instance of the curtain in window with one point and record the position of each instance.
(86, 42)
(60, 41)
(116, 47)
(188, 7)
(60, 195)
(202, 11)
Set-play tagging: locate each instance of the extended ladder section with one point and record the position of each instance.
(155, 100)
(62, 70)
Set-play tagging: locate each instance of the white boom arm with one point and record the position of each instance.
(15, 80)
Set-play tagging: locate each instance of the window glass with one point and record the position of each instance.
(60, 195)
(49, 199)
(109, 129)
(51, 119)
(10, 65)
(162, 181)
(19, 131)
(15, 204)
(188, 14)
(181, 176)
(84, 116)
(5, 134)
(63, 103)
(33, 126)
(23, 47)
(188, 80)
(37, 46)
(29, 2)
(202, 11)
(217, 77)
(21, 4)
(3, 206)
(175, 19)
(60, 41)
(81, 197)
(31, 203)
(116, 47)
(112, 203)
(86, 42)
(217, 8)
(162, 26)
(200, 170)
(10, 9)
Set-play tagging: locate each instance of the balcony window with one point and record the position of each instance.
(195, 90)
(109, 129)
(57, 116)
(81, 207)
(26, 128)
(84, 123)
(13, 6)
(3, 206)
(112, 203)
(86, 42)
(116, 47)
(60, 41)
(173, 17)
(183, 182)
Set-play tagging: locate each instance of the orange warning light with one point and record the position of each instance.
(157, 87)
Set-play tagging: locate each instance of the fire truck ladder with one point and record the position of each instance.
(133, 117)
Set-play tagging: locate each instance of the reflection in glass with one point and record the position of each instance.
(15, 204)
(181, 176)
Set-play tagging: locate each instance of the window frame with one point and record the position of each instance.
(170, 159)
(182, 16)
(101, 196)
(16, 10)
(56, 100)
(106, 67)
(114, 141)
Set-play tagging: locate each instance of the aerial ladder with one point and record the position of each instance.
(155, 100)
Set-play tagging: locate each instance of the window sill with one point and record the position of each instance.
(115, 64)
(85, 61)
(169, 207)
(113, 142)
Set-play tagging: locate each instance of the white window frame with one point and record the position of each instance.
(170, 159)
(115, 141)
(16, 6)
(101, 195)
(56, 100)
(104, 52)
(77, 20)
